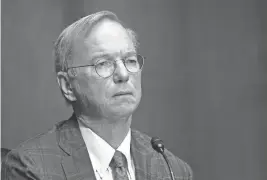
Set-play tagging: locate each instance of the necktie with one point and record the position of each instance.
(119, 166)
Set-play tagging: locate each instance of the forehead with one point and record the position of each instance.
(106, 37)
(109, 36)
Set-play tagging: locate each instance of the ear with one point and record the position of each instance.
(65, 86)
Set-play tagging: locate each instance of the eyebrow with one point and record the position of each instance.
(101, 55)
(106, 55)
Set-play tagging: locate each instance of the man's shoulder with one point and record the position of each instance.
(140, 136)
(145, 140)
(141, 141)
(180, 168)
(33, 155)
(46, 140)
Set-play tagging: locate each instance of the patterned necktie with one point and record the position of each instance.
(119, 166)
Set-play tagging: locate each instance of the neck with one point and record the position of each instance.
(112, 130)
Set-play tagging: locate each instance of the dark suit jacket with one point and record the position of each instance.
(61, 154)
(4, 152)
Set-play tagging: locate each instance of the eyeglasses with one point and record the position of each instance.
(105, 67)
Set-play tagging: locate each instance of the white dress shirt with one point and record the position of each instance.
(101, 153)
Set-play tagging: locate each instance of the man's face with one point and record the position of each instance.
(117, 95)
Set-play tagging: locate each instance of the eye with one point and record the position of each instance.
(103, 63)
(132, 60)
(132, 64)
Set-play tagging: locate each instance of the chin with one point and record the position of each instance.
(123, 109)
(123, 106)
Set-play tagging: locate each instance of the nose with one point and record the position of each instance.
(121, 74)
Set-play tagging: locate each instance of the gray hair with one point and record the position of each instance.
(63, 47)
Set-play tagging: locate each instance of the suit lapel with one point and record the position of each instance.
(76, 164)
(143, 157)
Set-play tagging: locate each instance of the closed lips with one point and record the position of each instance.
(121, 93)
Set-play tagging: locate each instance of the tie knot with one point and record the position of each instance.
(118, 160)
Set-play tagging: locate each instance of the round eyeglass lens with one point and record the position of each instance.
(105, 68)
(134, 64)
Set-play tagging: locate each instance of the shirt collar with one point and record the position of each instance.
(124, 148)
(100, 151)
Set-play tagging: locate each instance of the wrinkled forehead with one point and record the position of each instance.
(107, 36)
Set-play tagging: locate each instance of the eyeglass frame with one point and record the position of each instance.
(114, 64)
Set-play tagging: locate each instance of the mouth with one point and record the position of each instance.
(123, 93)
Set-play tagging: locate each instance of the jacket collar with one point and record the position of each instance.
(70, 137)
(76, 164)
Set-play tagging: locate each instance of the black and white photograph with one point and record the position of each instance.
(133, 90)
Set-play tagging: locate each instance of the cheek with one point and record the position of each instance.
(95, 89)
(84, 84)
(136, 81)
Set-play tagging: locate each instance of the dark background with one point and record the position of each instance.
(204, 80)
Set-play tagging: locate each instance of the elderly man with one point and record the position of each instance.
(99, 74)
